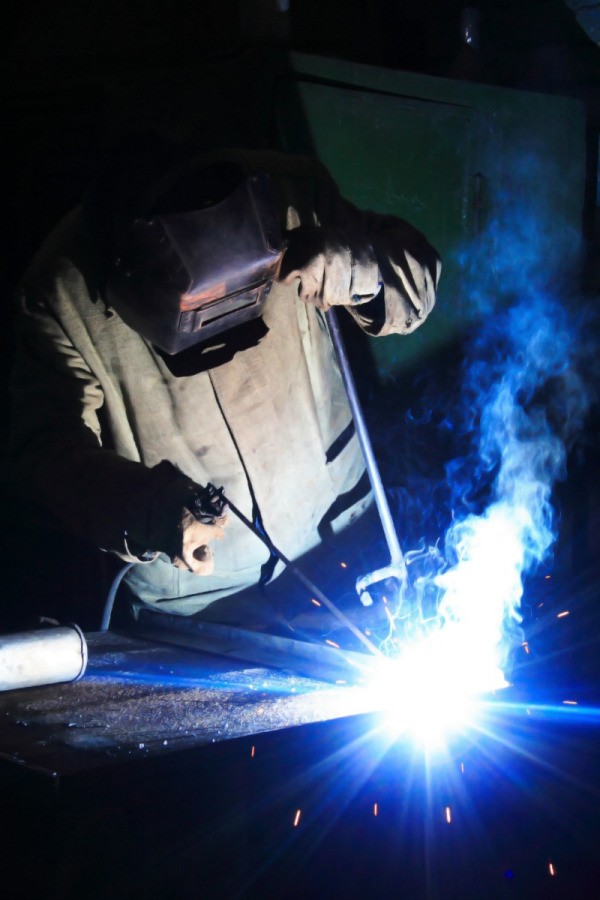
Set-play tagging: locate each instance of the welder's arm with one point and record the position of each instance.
(379, 266)
(57, 461)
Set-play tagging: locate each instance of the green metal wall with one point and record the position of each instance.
(442, 154)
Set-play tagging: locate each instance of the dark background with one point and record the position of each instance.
(80, 76)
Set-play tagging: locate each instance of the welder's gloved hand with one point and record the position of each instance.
(410, 270)
(184, 519)
(331, 272)
(195, 553)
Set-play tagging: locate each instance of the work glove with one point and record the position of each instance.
(183, 520)
(195, 553)
(203, 520)
(410, 270)
(330, 271)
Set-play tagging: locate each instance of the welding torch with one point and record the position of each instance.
(211, 503)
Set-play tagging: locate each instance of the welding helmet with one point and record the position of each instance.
(198, 262)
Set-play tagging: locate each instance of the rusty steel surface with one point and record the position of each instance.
(140, 698)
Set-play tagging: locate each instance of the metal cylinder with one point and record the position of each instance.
(47, 656)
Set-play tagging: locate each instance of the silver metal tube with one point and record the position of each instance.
(46, 656)
(396, 556)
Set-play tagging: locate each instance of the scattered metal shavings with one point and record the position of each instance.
(157, 699)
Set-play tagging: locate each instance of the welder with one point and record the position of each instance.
(171, 334)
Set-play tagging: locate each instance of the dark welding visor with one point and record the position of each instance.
(180, 278)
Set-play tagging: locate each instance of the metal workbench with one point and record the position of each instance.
(152, 741)
(170, 773)
(143, 698)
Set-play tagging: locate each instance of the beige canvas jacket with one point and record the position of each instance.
(96, 409)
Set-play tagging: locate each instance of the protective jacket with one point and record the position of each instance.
(97, 409)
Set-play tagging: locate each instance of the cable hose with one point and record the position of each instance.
(112, 594)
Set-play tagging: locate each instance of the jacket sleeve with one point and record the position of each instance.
(388, 268)
(56, 458)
